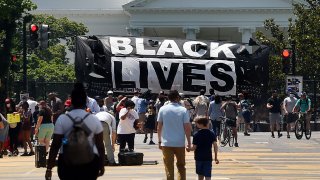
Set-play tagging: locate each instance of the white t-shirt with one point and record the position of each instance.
(108, 118)
(64, 125)
(32, 105)
(126, 126)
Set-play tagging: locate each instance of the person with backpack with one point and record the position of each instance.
(79, 137)
(304, 105)
(230, 109)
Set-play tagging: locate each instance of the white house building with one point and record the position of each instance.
(227, 20)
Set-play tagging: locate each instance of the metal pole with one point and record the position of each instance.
(24, 54)
(293, 57)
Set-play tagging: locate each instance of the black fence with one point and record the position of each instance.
(40, 90)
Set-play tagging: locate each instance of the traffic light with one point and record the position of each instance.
(44, 36)
(286, 55)
(34, 37)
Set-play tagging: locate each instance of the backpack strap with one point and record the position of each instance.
(77, 122)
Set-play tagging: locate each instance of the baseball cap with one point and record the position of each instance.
(303, 94)
(68, 103)
(110, 92)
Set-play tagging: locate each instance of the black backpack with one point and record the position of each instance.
(76, 147)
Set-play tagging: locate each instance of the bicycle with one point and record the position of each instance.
(300, 127)
(226, 133)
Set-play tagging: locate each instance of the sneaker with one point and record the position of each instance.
(151, 143)
(279, 135)
(10, 154)
(272, 135)
(288, 136)
(236, 145)
(5, 152)
(15, 152)
(246, 134)
(31, 153)
(24, 154)
(113, 164)
(145, 140)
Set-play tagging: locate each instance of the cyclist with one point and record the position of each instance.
(303, 105)
(288, 104)
(230, 109)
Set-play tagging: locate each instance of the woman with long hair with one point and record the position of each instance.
(44, 127)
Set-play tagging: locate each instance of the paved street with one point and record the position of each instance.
(258, 157)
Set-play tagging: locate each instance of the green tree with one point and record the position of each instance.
(304, 31)
(52, 65)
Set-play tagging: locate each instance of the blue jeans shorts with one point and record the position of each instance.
(204, 168)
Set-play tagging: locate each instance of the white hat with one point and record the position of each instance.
(110, 92)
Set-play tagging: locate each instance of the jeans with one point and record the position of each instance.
(168, 159)
(107, 142)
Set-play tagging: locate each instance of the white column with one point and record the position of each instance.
(135, 31)
(246, 35)
(191, 32)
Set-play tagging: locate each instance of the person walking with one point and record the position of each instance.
(173, 128)
(214, 115)
(274, 107)
(109, 134)
(288, 105)
(245, 106)
(44, 127)
(150, 123)
(64, 126)
(202, 144)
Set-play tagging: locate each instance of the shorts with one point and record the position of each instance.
(204, 168)
(246, 116)
(274, 118)
(231, 123)
(290, 118)
(46, 131)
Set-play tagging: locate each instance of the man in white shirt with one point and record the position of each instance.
(135, 98)
(288, 104)
(109, 128)
(32, 104)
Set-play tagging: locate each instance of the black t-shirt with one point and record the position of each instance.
(46, 116)
(276, 102)
(204, 139)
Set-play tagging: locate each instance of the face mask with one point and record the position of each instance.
(8, 105)
(291, 95)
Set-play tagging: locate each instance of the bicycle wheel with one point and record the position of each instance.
(224, 139)
(298, 129)
(231, 137)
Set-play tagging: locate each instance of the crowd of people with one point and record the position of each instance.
(115, 120)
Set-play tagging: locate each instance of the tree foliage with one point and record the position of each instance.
(304, 32)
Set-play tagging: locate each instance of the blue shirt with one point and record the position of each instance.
(141, 105)
(173, 116)
(214, 110)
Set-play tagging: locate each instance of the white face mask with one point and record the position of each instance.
(291, 95)
(8, 105)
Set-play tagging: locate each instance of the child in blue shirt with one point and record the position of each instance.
(202, 144)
